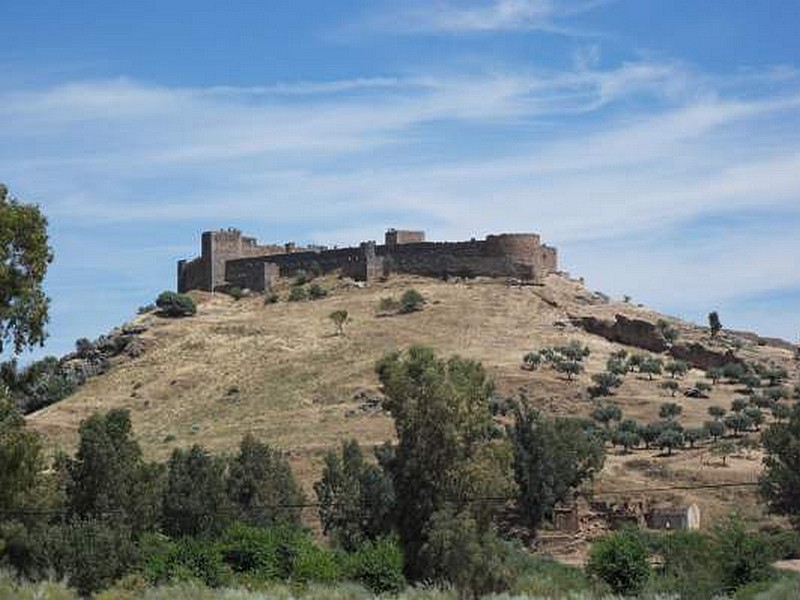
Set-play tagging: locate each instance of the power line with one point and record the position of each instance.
(455, 500)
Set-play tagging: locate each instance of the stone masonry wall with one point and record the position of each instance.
(228, 257)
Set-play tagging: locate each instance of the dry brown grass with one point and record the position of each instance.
(279, 372)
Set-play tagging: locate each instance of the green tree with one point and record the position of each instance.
(605, 382)
(195, 498)
(618, 366)
(552, 458)
(780, 481)
(668, 332)
(262, 487)
(24, 258)
(723, 449)
(339, 318)
(463, 554)
(21, 463)
(737, 422)
(607, 413)
(741, 556)
(651, 367)
(715, 374)
(571, 368)
(670, 410)
(716, 429)
(671, 386)
(670, 439)
(356, 499)
(714, 324)
(696, 434)
(717, 412)
(443, 426)
(620, 560)
(677, 368)
(108, 475)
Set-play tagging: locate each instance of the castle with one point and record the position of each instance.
(230, 259)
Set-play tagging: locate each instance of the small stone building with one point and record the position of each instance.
(672, 518)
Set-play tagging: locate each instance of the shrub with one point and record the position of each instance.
(378, 565)
(90, 554)
(271, 298)
(411, 301)
(171, 304)
(317, 292)
(621, 561)
(532, 360)
(188, 559)
(236, 293)
(301, 277)
(339, 318)
(388, 305)
(297, 293)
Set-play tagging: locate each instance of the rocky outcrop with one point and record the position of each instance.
(703, 357)
(647, 336)
(630, 332)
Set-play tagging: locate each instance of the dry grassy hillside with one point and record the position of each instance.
(279, 372)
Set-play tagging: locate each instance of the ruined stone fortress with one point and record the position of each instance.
(230, 259)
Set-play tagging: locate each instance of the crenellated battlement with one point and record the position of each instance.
(229, 258)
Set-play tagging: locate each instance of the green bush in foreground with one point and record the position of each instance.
(620, 560)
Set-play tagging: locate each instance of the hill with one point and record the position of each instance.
(279, 372)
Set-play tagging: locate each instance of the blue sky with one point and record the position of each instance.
(657, 144)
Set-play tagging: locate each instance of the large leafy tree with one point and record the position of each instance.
(552, 457)
(262, 487)
(356, 498)
(21, 462)
(445, 435)
(108, 478)
(195, 498)
(780, 482)
(24, 258)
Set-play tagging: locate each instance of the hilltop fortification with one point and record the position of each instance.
(229, 258)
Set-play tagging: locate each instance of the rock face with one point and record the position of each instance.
(702, 357)
(630, 332)
(646, 335)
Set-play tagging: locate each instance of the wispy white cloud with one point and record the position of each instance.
(607, 156)
(441, 16)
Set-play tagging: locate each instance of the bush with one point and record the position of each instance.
(621, 561)
(188, 559)
(388, 305)
(236, 293)
(301, 277)
(378, 565)
(297, 293)
(89, 554)
(271, 298)
(171, 304)
(411, 301)
(317, 292)
(277, 554)
(741, 557)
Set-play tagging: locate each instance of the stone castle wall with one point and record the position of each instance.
(228, 258)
